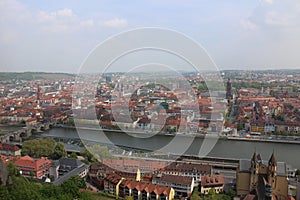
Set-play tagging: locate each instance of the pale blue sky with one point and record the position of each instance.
(58, 35)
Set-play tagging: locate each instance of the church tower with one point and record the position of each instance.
(254, 172)
(272, 165)
(229, 95)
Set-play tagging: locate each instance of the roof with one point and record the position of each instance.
(213, 180)
(68, 175)
(74, 163)
(189, 168)
(9, 147)
(281, 169)
(148, 187)
(245, 165)
(272, 160)
(175, 179)
(30, 163)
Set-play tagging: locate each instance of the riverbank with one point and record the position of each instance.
(236, 148)
(194, 135)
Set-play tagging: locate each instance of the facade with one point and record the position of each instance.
(213, 182)
(10, 150)
(121, 187)
(29, 166)
(196, 171)
(258, 177)
(183, 185)
(257, 127)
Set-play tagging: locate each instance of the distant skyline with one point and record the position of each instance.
(56, 36)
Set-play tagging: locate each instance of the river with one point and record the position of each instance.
(289, 153)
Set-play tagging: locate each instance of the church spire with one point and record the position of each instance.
(272, 160)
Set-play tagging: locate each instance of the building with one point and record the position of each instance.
(257, 126)
(65, 168)
(183, 185)
(10, 150)
(229, 95)
(33, 167)
(213, 182)
(261, 178)
(196, 171)
(121, 187)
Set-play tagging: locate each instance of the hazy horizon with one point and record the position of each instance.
(56, 36)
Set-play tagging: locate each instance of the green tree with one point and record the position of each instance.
(220, 197)
(231, 193)
(59, 151)
(73, 155)
(195, 194)
(69, 187)
(79, 182)
(4, 194)
(240, 126)
(298, 172)
(38, 147)
(12, 169)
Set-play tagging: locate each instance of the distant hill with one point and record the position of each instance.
(33, 76)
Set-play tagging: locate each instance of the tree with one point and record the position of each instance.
(73, 155)
(231, 193)
(79, 182)
(4, 194)
(240, 126)
(195, 195)
(70, 187)
(12, 169)
(59, 151)
(38, 147)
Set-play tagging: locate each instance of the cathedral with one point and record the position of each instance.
(266, 180)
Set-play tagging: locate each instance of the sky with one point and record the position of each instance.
(58, 35)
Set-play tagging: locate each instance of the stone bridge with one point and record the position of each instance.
(27, 131)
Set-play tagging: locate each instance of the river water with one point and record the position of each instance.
(289, 153)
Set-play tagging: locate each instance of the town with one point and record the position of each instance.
(252, 106)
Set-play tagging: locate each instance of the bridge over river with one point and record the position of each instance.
(27, 131)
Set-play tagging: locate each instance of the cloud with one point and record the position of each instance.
(65, 13)
(270, 2)
(248, 25)
(115, 23)
(278, 15)
(87, 23)
(277, 19)
(62, 21)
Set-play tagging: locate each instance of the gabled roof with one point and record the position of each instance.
(180, 180)
(213, 180)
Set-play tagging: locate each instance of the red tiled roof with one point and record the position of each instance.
(208, 181)
(9, 147)
(181, 180)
